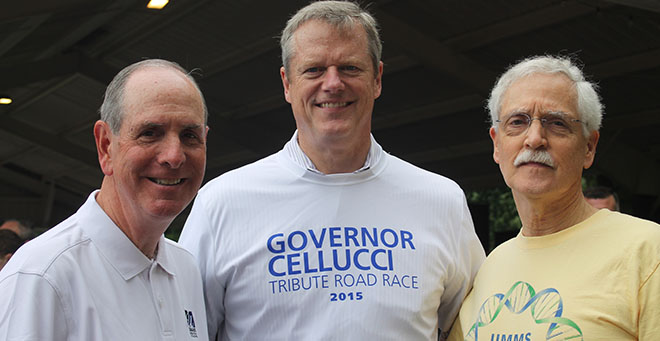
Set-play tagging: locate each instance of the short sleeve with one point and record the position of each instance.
(649, 300)
(31, 309)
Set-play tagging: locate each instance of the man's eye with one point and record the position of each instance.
(516, 121)
(313, 70)
(556, 122)
(148, 133)
(190, 136)
(350, 70)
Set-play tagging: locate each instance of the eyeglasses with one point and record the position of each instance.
(554, 123)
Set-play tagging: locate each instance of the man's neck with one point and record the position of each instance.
(333, 157)
(543, 216)
(145, 234)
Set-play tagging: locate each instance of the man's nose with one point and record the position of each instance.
(332, 80)
(535, 135)
(171, 152)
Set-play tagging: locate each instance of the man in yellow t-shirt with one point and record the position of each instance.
(574, 272)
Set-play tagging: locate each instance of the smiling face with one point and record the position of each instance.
(538, 95)
(331, 84)
(155, 165)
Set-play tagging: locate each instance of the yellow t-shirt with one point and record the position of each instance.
(597, 280)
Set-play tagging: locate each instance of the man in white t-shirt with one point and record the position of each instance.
(574, 272)
(107, 272)
(332, 238)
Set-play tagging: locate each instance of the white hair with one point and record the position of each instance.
(589, 108)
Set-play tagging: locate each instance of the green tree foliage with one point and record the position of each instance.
(502, 214)
(503, 217)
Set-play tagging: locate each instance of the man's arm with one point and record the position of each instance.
(469, 255)
(31, 309)
(198, 238)
(649, 302)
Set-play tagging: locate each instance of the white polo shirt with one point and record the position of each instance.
(85, 280)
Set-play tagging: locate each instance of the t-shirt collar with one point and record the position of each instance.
(296, 153)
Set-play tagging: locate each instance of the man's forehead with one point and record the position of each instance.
(160, 124)
(160, 86)
(137, 118)
(316, 53)
(344, 29)
(157, 78)
(320, 32)
(540, 92)
(541, 80)
(541, 111)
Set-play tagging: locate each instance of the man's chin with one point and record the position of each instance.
(528, 184)
(167, 209)
(532, 191)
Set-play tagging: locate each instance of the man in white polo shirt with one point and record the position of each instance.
(107, 272)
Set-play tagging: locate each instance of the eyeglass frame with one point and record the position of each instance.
(562, 116)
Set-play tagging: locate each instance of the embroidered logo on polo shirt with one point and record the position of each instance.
(191, 323)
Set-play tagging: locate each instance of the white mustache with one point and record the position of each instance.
(538, 156)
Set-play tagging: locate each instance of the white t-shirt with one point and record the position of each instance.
(85, 280)
(288, 253)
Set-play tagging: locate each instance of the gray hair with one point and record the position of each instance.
(112, 109)
(589, 105)
(341, 14)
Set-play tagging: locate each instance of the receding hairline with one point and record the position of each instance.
(112, 107)
(163, 69)
(144, 70)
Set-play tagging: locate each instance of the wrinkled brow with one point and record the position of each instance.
(525, 111)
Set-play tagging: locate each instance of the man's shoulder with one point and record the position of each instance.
(504, 249)
(184, 259)
(642, 235)
(630, 225)
(249, 172)
(415, 174)
(177, 251)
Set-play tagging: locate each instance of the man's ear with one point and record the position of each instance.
(592, 142)
(379, 80)
(285, 84)
(103, 137)
(496, 152)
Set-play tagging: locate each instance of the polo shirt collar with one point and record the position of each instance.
(115, 246)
